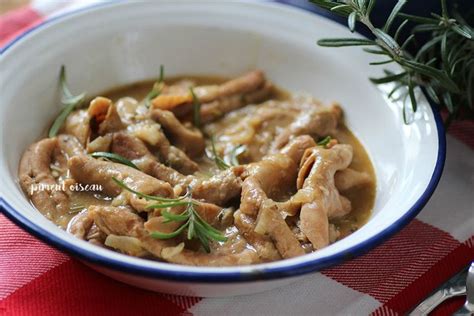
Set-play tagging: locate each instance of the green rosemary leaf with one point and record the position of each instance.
(396, 9)
(162, 74)
(156, 89)
(69, 102)
(341, 42)
(59, 121)
(444, 48)
(411, 93)
(433, 73)
(444, 8)
(362, 4)
(351, 21)
(235, 153)
(210, 234)
(150, 96)
(425, 28)
(395, 89)
(76, 208)
(389, 78)
(407, 41)
(191, 230)
(196, 109)
(340, 7)
(114, 157)
(323, 142)
(464, 30)
(381, 62)
(66, 93)
(175, 217)
(375, 51)
(432, 94)
(203, 222)
(404, 115)
(399, 29)
(370, 6)
(221, 164)
(417, 19)
(166, 205)
(448, 101)
(329, 5)
(204, 241)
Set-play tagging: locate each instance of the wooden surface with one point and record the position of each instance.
(7, 5)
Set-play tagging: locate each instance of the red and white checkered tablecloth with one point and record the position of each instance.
(36, 279)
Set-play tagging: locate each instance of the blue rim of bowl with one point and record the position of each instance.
(229, 277)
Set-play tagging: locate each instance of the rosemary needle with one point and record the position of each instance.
(221, 164)
(69, 101)
(114, 157)
(196, 109)
(157, 88)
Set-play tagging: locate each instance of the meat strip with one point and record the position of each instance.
(70, 146)
(37, 181)
(270, 221)
(318, 194)
(218, 100)
(88, 170)
(349, 178)
(262, 244)
(317, 121)
(189, 140)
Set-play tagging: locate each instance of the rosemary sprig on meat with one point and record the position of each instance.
(114, 157)
(220, 163)
(157, 88)
(193, 224)
(196, 109)
(444, 65)
(69, 102)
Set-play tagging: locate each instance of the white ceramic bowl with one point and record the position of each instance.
(116, 44)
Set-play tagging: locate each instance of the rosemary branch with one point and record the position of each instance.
(196, 227)
(443, 66)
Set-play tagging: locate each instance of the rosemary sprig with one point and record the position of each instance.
(196, 108)
(444, 65)
(69, 102)
(195, 226)
(235, 153)
(325, 141)
(221, 164)
(114, 157)
(157, 88)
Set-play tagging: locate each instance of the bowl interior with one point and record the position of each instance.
(121, 43)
